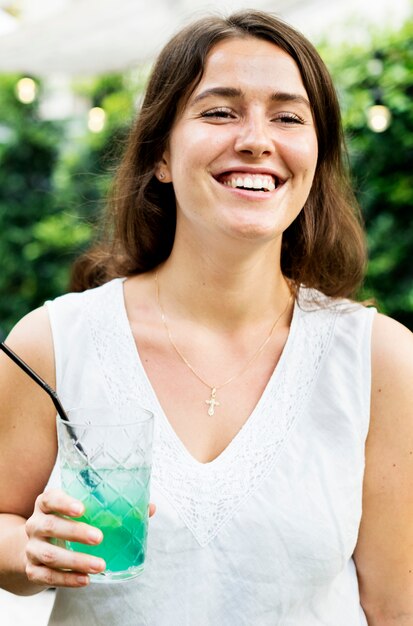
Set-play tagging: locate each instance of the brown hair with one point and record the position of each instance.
(323, 248)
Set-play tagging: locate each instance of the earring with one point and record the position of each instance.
(161, 175)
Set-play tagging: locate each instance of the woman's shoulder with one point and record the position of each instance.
(77, 297)
(32, 336)
(392, 357)
(311, 300)
(391, 425)
(388, 331)
(31, 339)
(72, 305)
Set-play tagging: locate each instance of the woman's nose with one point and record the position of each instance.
(254, 137)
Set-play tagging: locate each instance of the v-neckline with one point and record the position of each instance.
(207, 495)
(232, 446)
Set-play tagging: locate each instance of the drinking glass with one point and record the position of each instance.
(105, 458)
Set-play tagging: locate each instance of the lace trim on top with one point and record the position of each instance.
(207, 495)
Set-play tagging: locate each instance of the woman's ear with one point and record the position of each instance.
(162, 171)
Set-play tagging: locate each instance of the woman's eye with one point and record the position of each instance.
(289, 118)
(217, 113)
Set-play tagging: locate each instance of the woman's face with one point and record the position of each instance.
(243, 151)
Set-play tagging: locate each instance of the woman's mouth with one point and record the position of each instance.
(250, 181)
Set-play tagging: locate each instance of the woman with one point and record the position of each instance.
(236, 230)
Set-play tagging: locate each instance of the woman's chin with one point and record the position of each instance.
(254, 231)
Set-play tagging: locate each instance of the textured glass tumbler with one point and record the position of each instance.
(105, 461)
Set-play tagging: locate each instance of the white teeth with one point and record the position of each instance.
(252, 181)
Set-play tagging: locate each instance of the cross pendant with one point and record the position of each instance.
(212, 402)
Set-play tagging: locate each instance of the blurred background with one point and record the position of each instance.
(71, 77)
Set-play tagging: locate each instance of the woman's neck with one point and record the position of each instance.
(224, 291)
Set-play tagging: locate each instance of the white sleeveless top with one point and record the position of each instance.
(264, 534)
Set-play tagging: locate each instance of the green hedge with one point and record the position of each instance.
(382, 163)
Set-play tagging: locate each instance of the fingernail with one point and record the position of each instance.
(96, 565)
(95, 535)
(83, 580)
(76, 508)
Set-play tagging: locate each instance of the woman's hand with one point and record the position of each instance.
(46, 560)
(49, 564)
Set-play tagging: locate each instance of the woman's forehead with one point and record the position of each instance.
(250, 63)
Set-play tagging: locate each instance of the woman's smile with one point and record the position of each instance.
(258, 180)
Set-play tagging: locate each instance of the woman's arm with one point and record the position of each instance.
(28, 561)
(384, 552)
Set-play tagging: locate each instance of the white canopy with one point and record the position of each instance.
(85, 37)
(94, 36)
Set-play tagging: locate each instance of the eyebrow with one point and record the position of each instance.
(232, 92)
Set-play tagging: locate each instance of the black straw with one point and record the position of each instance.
(43, 384)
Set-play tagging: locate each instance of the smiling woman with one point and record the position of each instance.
(220, 298)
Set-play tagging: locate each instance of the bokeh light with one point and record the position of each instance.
(96, 119)
(378, 118)
(26, 90)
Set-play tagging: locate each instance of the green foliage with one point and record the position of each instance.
(382, 163)
(27, 161)
(52, 186)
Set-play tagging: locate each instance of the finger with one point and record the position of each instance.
(42, 575)
(56, 527)
(43, 553)
(57, 501)
(152, 509)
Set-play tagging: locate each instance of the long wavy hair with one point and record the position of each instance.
(324, 248)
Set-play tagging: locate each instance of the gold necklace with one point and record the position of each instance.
(213, 402)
